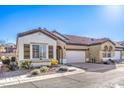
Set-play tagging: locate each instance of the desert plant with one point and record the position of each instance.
(44, 69)
(5, 60)
(54, 62)
(35, 72)
(12, 66)
(26, 64)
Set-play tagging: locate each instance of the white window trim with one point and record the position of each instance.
(31, 50)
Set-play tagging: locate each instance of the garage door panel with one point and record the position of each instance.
(117, 55)
(75, 56)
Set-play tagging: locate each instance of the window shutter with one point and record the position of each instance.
(50, 52)
(26, 51)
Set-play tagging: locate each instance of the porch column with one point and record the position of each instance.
(47, 55)
(30, 51)
(54, 52)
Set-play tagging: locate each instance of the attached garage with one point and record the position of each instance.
(117, 55)
(75, 56)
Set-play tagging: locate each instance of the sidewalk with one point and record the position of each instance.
(24, 78)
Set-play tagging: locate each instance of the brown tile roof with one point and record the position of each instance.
(59, 34)
(72, 39)
(119, 45)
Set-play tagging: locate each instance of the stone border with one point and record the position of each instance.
(24, 78)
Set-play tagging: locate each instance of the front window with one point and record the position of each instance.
(39, 51)
(50, 52)
(109, 54)
(35, 51)
(26, 51)
(105, 48)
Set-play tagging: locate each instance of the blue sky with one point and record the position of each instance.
(89, 21)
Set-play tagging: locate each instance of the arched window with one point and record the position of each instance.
(110, 48)
(105, 48)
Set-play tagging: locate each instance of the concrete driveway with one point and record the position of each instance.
(94, 67)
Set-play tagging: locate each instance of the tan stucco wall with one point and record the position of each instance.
(108, 44)
(2, 49)
(94, 52)
(63, 46)
(76, 47)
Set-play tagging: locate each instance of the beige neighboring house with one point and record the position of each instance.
(41, 45)
(8, 50)
(119, 51)
(2, 49)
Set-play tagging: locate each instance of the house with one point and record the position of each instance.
(41, 45)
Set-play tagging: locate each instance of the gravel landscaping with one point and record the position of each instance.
(13, 73)
(15, 77)
(51, 70)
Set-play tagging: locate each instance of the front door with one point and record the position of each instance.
(59, 54)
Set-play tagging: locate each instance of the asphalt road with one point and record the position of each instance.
(109, 79)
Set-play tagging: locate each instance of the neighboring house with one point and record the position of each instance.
(8, 50)
(40, 45)
(2, 49)
(119, 51)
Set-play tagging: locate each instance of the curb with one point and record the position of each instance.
(37, 78)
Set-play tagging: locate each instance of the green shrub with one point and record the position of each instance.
(6, 60)
(35, 72)
(44, 69)
(26, 64)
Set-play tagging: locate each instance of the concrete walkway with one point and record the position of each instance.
(24, 78)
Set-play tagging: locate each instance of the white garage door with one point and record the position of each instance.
(117, 55)
(75, 56)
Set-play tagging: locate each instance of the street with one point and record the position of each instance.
(109, 79)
